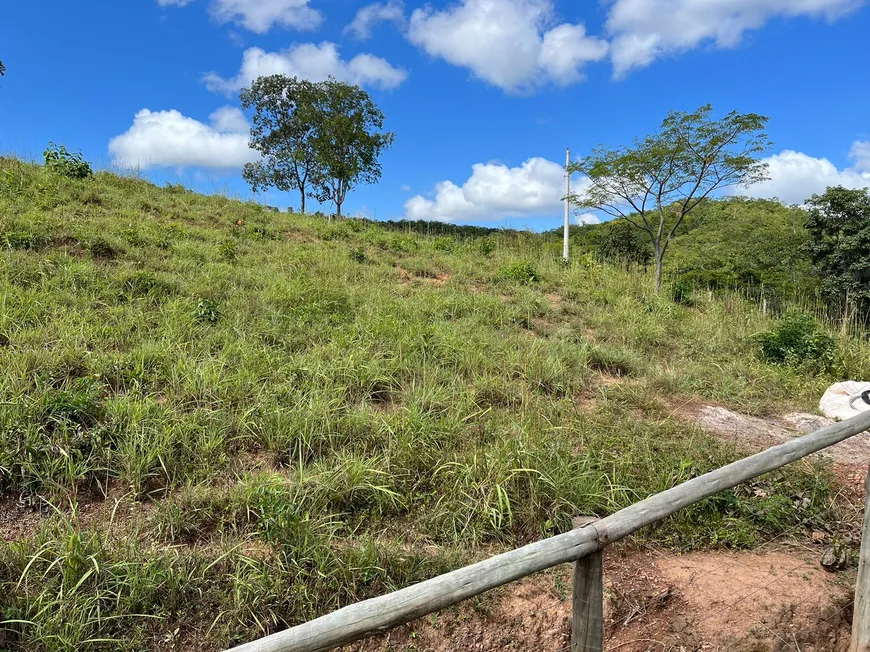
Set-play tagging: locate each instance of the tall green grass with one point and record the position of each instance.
(305, 413)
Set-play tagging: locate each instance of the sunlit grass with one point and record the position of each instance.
(307, 413)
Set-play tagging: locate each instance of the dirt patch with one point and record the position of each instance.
(19, 520)
(715, 602)
(750, 602)
(588, 398)
(607, 379)
(533, 614)
(407, 277)
(300, 236)
(438, 279)
(116, 512)
(556, 302)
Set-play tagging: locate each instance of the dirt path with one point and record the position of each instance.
(780, 601)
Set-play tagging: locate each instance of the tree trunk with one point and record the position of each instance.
(338, 209)
(302, 200)
(659, 265)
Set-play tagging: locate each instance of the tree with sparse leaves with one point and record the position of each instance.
(656, 183)
(285, 123)
(349, 141)
(839, 228)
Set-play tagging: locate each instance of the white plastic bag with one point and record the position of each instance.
(835, 403)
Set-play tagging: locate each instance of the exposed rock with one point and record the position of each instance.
(763, 433)
(804, 422)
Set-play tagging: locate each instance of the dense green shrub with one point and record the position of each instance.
(229, 250)
(70, 164)
(681, 291)
(485, 246)
(443, 243)
(798, 341)
(522, 272)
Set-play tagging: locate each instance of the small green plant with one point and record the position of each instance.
(70, 164)
(229, 250)
(358, 255)
(485, 246)
(522, 272)
(206, 312)
(798, 341)
(79, 403)
(681, 291)
(175, 188)
(21, 239)
(443, 243)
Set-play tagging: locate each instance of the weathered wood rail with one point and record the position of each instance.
(582, 546)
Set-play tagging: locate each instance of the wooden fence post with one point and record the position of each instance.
(861, 615)
(587, 622)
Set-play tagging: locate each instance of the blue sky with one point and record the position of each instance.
(484, 95)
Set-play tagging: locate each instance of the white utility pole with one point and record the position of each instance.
(567, 203)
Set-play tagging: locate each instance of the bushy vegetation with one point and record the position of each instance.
(753, 245)
(70, 164)
(260, 416)
(839, 228)
(798, 340)
(523, 272)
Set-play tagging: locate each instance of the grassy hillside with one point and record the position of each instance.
(233, 420)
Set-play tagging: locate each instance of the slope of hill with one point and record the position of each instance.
(217, 420)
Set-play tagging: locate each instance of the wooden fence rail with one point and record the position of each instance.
(358, 620)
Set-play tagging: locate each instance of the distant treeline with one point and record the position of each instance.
(726, 243)
(424, 227)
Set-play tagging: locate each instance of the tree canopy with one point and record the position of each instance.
(348, 142)
(839, 229)
(284, 126)
(654, 184)
(319, 138)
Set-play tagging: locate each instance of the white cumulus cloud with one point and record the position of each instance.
(370, 16)
(310, 61)
(170, 139)
(860, 153)
(795, 176)
(495, 191)
(261, 15)
(644, 30)
(587, 218)
(508, 43)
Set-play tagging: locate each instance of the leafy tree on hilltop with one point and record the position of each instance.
(839, 227)
(285, 122)
(348, 141)
(320, 138)
(656, 183)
